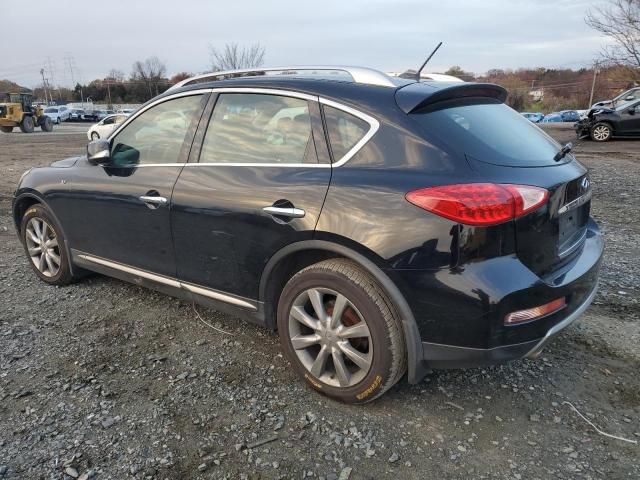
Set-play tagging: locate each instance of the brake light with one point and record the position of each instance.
(534, 313)
(480, 204)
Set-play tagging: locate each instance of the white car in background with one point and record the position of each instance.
(57, 114)
(104, 127)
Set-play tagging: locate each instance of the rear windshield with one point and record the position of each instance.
(491, 133)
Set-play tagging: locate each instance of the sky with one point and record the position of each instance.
(90, 38)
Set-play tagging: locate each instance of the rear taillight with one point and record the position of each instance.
(480, 204)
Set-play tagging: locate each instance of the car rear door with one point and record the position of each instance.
(256, 182)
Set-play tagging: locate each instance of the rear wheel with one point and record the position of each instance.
(44, 245)
(341, 332)
(601, 132)
(27, 124)
(6, 129)
(46, 124)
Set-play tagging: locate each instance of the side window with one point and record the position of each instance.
(258, 128)
(156, 135)
(345, 130)
(109, 121)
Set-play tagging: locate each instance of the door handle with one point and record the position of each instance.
(153, 199)
(290, 212)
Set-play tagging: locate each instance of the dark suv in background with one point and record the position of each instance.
(381, 225)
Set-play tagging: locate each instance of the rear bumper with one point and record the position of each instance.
(449, 356)
(460, 313)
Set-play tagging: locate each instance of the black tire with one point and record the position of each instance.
(6, 129)
(27, 125)
(601, 132)
(63, 276)
(58, 121)
(388, 355)
(46, 124)
(95, 136)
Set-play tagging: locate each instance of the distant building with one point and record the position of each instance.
(536, 95)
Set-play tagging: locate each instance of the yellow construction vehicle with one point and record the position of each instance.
(16, 110)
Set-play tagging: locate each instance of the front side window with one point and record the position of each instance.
(157, 135)
(258, 128)
(345, 131)
(109, 121)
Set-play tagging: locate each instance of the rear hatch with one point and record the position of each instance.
(501, 146)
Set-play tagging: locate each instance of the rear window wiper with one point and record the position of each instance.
(563, 152)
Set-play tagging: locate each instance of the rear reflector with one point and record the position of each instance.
(535, 312)
(480, 204)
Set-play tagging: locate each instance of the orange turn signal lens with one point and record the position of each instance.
(535, 312)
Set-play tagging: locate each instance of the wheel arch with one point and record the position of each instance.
(285, 262)
(21, 204)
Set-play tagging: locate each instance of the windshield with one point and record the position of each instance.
(492, 133)
(625, 105)
(51, 110)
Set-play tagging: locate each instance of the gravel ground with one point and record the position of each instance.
(104, 379)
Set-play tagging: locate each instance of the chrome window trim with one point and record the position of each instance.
(266, 91)
(373, 124)
(139, 112)
(172, 282)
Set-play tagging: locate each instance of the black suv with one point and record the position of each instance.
(381, 225)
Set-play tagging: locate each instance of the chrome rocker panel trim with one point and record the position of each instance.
(171, 282)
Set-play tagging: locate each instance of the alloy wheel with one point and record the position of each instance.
(601, 133)
(42, 245)
(330, 337)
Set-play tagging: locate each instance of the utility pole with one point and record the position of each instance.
(73, 80)
(593, 83)
(44, 85)
(109, 91)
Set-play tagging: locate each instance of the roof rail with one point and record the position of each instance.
(358, 74)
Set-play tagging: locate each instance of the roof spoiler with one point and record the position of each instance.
(416, 96)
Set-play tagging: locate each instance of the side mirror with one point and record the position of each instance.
(99, 152)
(632, 111)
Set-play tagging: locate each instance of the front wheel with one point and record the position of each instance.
(46, 124)
(340, 331)
(44, 245)
(95, 135)
(600, 132)
(27, 125)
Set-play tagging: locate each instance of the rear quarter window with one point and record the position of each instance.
(345, 131)
(492, 133)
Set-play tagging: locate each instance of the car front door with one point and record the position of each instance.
(120, 212)
(258, 179)
(630, 120)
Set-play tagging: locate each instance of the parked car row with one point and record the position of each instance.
(563, 116)
(63, 113)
